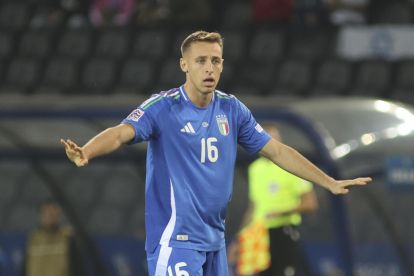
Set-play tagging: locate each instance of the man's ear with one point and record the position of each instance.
(183, 65)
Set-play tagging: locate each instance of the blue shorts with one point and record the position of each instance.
(168, 261)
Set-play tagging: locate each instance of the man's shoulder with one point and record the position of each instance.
(160, 100)
(224, 96)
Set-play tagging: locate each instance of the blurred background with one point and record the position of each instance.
(336, 75)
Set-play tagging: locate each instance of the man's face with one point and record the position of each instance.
(50, 215)
(203, 64)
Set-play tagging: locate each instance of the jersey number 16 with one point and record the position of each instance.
(207, 146)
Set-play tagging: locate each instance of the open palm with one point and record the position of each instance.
(74, 152)
(342, 186)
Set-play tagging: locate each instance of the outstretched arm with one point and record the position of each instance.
(105, 142)
(292, 161)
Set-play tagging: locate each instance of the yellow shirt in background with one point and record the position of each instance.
(273, 189)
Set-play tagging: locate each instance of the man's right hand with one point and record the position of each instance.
(75, 153)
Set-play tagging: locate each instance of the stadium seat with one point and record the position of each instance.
(23, 73)
(333, 76)
(98, 75)
(6, 45)
(152, 44)
(61, 73)
(107, 220)
(393, 12)
(405, 75)
(310, 45)
(36, 44)
(234, 45)
(171, 74)
(137, 74)
(75, 43)
(258, 74)
(177, 40)
(113, 43)
(294, 77)
(373, 78)
(267, 46)
(14, 16)
(237, 14)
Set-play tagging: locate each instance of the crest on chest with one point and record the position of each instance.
(223, 124)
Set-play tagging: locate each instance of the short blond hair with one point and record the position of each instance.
(201, 36)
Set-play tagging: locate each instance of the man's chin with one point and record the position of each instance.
(208, 89)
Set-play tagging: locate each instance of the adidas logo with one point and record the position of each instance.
(188, 128)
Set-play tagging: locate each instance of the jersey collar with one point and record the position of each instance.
(185, 96)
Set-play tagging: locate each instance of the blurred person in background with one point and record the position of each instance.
(267, 11)
(51, 249)
(277, 199)
(151, 12)
(47, 13)
(111, 13)
(193, 132)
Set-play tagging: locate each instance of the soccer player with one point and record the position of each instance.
(193, 132)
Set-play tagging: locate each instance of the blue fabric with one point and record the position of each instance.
(190, 162)
(181, 261)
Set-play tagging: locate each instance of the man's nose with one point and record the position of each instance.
(209, 66)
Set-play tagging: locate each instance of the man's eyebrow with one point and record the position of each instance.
(201, 57)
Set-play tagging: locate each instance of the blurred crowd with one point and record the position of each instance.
(304, 13)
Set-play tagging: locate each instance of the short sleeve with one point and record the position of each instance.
(143, 123)
(251, 136)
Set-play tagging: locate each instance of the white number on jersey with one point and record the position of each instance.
(212, 150)
(178, 270)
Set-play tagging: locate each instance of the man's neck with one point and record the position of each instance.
(198, 98)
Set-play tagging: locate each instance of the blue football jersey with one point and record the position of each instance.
(190, 163)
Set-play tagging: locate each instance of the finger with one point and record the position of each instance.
(342, 192)
(72, 144)
(365, 179)
(354, 182)
(82, 163)
(64, 143)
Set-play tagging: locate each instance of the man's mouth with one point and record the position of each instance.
(208, 81)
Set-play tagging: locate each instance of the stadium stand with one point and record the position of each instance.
(270, 60)
(373, 78)
(106, 60)
(333, 77)
(75, 44)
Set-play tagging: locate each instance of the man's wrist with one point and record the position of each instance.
(86, 153)
(329, 183)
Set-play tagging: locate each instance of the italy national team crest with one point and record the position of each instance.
(223, 124)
